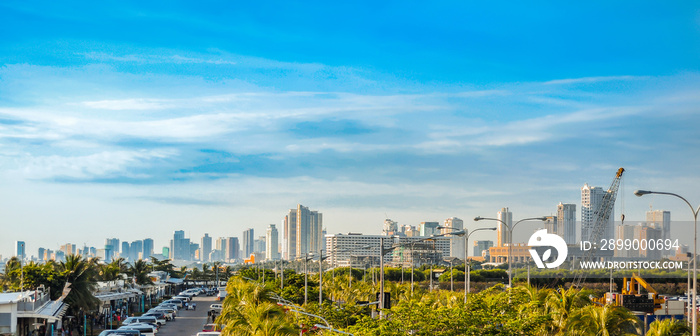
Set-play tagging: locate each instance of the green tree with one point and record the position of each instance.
(82, 276)
(607, 320)
(668, 327)
(139, 272)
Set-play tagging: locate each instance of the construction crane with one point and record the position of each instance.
(601, 218)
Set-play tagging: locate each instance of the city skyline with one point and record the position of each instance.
(215, 120)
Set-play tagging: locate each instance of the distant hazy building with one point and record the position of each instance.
(259, 245)
(40, 253)
(180, 246)
(247, 244)
(20, 249)
(136, 250)
(272, 243)
(233, 248)
(591, 199)
(640, 232)
(206, 247)
(390, 228)
(661, 219)
(113, 248)
(457, 247)
(502, 231)
(480, 246)
(125, 252)
(148, 247)
(566, 222)
(428, 229)
(550, 224)
(410, 231)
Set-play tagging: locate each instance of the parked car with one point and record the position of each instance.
(216, 306)
(160, 317)
(221, 295)
(178, 302)
(209, 333)
(212, 327)
(114, 332)
(144, 329)
(140, 319)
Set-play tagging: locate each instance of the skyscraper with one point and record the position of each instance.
(457, 248)
(247, 245)
(428, 229)
(113, 244)
(290, 235)
(180, 246)
(125, 250)
(591, 198)
(21, 249)
(480, 246)
(303, 232)
(271, 244)
(566, 222)
(147, 248)
(206, 247)
(661, 220)
(232, 248)
(136, 250)
(503, 231)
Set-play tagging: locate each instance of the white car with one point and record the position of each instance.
(140, 319)
(144, 329)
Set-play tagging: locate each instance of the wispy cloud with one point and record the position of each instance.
(590, 80)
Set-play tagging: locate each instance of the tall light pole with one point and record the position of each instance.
(467, 269)
(695, 211)
(21, 269)
(510, 241)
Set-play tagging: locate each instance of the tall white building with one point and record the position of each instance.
(502, 230)
(456, 242)
(591, 198)
(550, 224)
(272, 243)
(303, 232)
(566, 222)
(390, 228)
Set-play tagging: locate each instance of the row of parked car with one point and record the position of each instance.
(149, 323)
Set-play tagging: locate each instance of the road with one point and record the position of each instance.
(189, 322)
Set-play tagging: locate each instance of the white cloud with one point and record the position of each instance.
(567, 81)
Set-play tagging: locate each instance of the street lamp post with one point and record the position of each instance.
(467, 264)
(510, 241)
(695, 211)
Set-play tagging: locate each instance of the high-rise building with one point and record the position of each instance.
(591, 198)
(410, 231)
(125, 250)
(480, 246)
(503, 231)
(640, 232)
(147, 248)
(247, 244)
(260, 245)
(271, 244)
(566, 222)
(21, 250)
(136, 250)
(232, 249)
(303, 232)
(68, 249)
(194, 251)
(206, 247)
(113, 244)
(180, 246)
(457, 247)
(290, 235)
(40, 253)
(661, 220)
(390, 228)
(428, 229)
(165, 252)
(344, 250)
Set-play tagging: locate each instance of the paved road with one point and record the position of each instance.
(189, 322)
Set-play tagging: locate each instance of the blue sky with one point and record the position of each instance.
(134, 120)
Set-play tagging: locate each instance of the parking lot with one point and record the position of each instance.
(189, 322)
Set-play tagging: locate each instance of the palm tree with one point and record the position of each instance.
(607, 320)
(82, 276)
(562, 304)
(249, 311)
(669, 327)
(139, 272)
